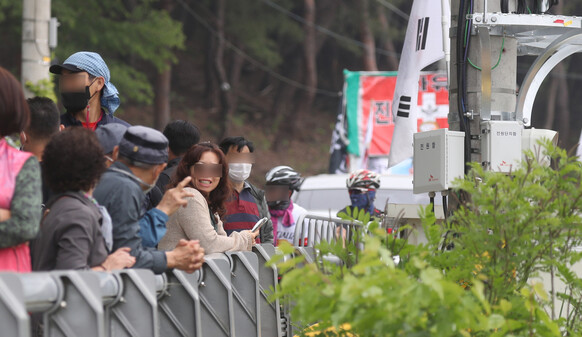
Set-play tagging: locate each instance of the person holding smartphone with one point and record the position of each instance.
(200, 219)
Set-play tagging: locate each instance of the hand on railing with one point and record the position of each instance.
(119, 259)
(252, 234)
(341, 232)
(187, 256)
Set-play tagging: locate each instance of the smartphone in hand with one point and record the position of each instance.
(259, 224)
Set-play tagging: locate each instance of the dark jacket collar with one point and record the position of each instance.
(68, 119)
(174, 162)
(75, 195)
(121, 166)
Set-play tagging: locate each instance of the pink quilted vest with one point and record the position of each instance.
(15, 258)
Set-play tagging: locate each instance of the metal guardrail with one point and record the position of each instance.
(312, 229)
(227, 297)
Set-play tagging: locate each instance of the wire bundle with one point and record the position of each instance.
(463, 43)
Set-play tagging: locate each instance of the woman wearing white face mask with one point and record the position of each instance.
(246, 204)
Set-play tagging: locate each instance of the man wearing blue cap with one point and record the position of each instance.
(143, 153)
(86, 91)
(109, 136)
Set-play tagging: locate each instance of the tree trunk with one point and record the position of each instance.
(287, 95)
(162, 98)
(391, 60)
(551, 104)
(562, 124)
(235, 72)
(563, 108)
(210, 83)
(162, 86)
(367, 37)
(225, 89)
(310, 61)
(283, 104)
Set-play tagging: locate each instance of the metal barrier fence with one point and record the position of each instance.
(315, 229)
(226, 297)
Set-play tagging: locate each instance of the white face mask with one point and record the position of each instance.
(239, 171)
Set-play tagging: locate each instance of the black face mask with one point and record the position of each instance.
(278, 205)
(76, 101)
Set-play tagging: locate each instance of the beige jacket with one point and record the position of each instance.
(193, 223)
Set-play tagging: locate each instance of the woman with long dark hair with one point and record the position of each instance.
(200, 219)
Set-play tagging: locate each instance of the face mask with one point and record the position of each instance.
(239, 171)
(77, 100)
(278, 205)
(145, 187)
(363, 200)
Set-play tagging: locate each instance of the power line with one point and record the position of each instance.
(394, 9)
(254, 62)
(327, 31)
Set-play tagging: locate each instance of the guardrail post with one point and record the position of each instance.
(245, 290)
(215, 293)
(179, 305)
(14, 319)
(134, 312)
(268, 279)
(79, 310)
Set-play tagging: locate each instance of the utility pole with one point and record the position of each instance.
(490, 95)
(36, 56)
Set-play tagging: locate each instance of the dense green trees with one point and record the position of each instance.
(275, 60)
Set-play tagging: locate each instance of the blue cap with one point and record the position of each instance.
(144, 145)
(93, 64)
(110, 135)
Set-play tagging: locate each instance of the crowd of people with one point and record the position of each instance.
(87, 190)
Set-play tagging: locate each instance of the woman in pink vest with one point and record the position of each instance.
(20, 184)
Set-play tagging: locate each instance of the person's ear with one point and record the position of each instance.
(158, 170)
(61, 127)
(100, 83)
(23, 138)
(115, 153)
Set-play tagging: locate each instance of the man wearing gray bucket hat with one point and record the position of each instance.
(86, 91)
(143, 153)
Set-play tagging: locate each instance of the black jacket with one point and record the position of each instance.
(70, 235)
(69, 120)
(266, 232)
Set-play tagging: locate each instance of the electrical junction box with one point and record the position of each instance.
(439, 158)
(501, 145)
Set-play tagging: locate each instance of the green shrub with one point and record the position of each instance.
(507, 229)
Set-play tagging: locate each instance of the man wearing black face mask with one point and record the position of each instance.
(86, 93)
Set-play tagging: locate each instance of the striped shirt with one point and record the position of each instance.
(241, 211)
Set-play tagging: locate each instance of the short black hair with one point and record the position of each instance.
(182, 135)
(73, 160)
(239, 142)
(44, 117)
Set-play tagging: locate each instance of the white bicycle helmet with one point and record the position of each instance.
(363, 180)
(284, 175)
